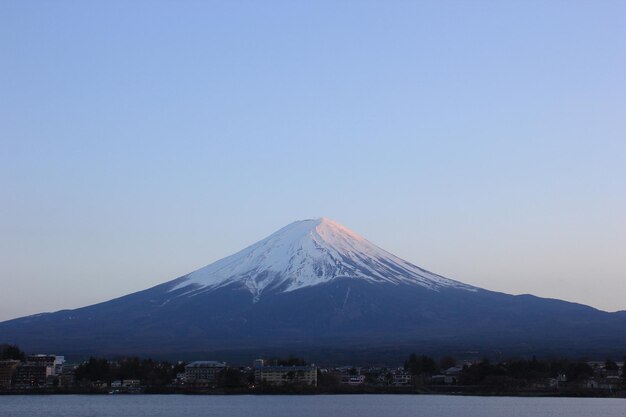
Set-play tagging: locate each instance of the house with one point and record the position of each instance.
(598, 383)
(179, 380)
(452, 375)
(131, 385)
(401, 377)
(350, 375)
(353, 379)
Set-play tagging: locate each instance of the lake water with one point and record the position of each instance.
(304, 406)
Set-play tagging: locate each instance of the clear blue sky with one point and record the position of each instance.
(483, 140)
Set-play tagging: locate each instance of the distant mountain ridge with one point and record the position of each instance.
(316, 288)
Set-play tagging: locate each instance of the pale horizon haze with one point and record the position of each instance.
(484, 141)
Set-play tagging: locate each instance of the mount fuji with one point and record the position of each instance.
(319, 289)
(308, 253)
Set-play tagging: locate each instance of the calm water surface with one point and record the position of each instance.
(305, 406)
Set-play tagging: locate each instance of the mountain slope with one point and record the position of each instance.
(316, 288)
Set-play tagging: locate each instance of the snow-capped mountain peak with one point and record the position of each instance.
(307, 253)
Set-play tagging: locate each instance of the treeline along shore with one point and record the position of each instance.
(22, 373)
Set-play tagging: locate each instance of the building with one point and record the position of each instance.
(131, 385)
(179, 380)
(401, 377)
(452, 375)
(30, 376)
(599, 383)
(353, 379)
(350, 375)
(7, 369)
(45, 360)
(54, 363)
(286, 375)
(67, 379)
(203, 373)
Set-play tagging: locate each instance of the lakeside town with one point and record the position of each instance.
(22, 373)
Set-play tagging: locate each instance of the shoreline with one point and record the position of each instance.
(286, 392)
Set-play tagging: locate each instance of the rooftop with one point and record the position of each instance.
(206, 364)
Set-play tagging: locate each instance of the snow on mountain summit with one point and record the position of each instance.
(307, 253)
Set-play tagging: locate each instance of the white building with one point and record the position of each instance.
(53, 363)
(401, 377)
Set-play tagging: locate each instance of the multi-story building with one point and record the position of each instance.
(54, 363)
(30, 376)
(286, 375)
(203, 373)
